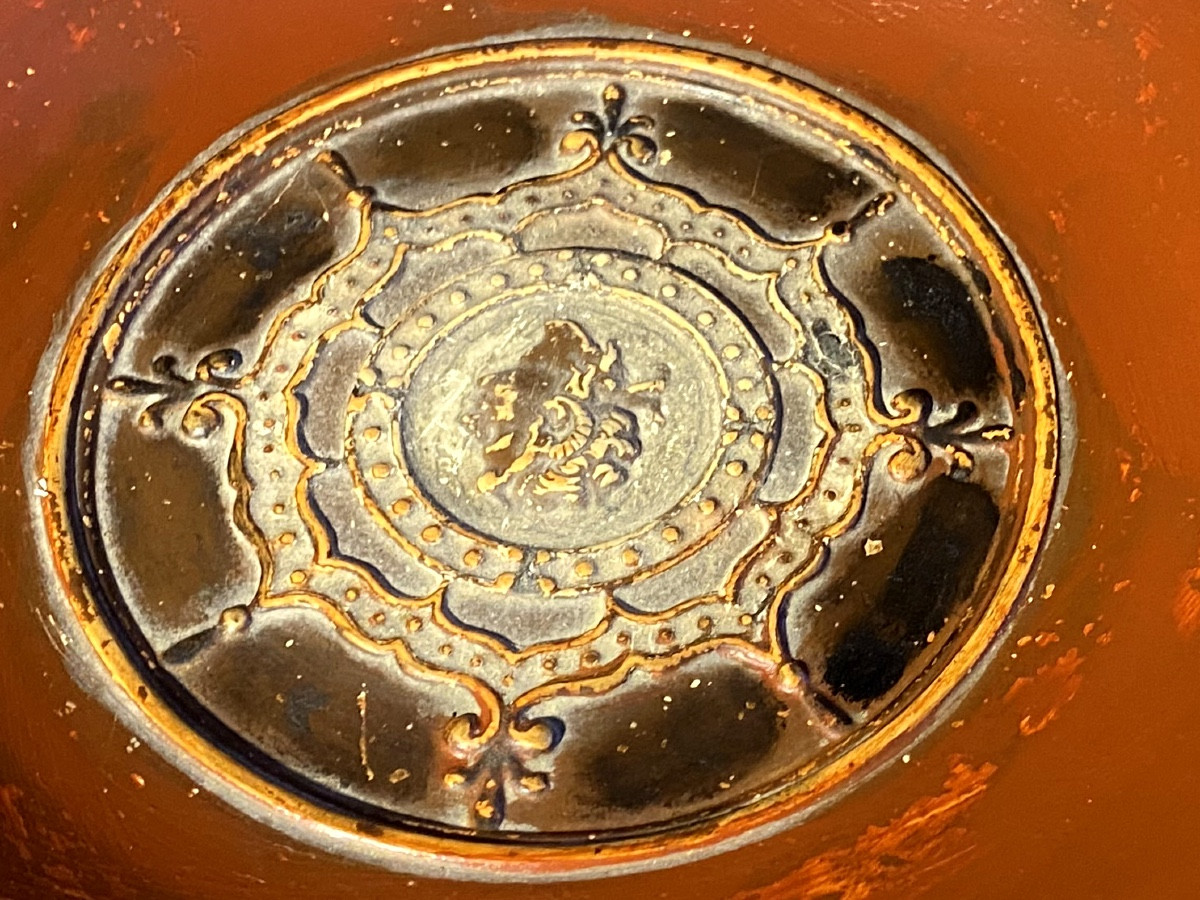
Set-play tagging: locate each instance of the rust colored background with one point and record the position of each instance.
(1070, 769)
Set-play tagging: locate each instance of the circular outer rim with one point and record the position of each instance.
(105, 669)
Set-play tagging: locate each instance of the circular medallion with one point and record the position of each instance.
(546, 460)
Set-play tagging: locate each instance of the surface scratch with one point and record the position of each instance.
(362, 734)
(927, 837)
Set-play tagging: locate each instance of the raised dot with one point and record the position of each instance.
(744, 384)
(733, 414)
(669, 290)
(425, 321)
(708, 506)
(630, 556)
(351, 595)
(630, 274)
(234, 619)
(458, 298)
(670, 534)
(498, 280)
(601, 259)
(758, 439)
(704, 623)
(401, 352)
(705, 319)
(402, 506)
(413, 625)
(381, 470)
(298, 577)
(431, 533)
(279, 509)
(287, 538)
(543, 557)
(372, 434)
(472, 558)
(731, 351)
(584, 568)
(547, 585)
(537, 270)
(763, 412)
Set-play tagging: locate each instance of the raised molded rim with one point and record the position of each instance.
(104, 667)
